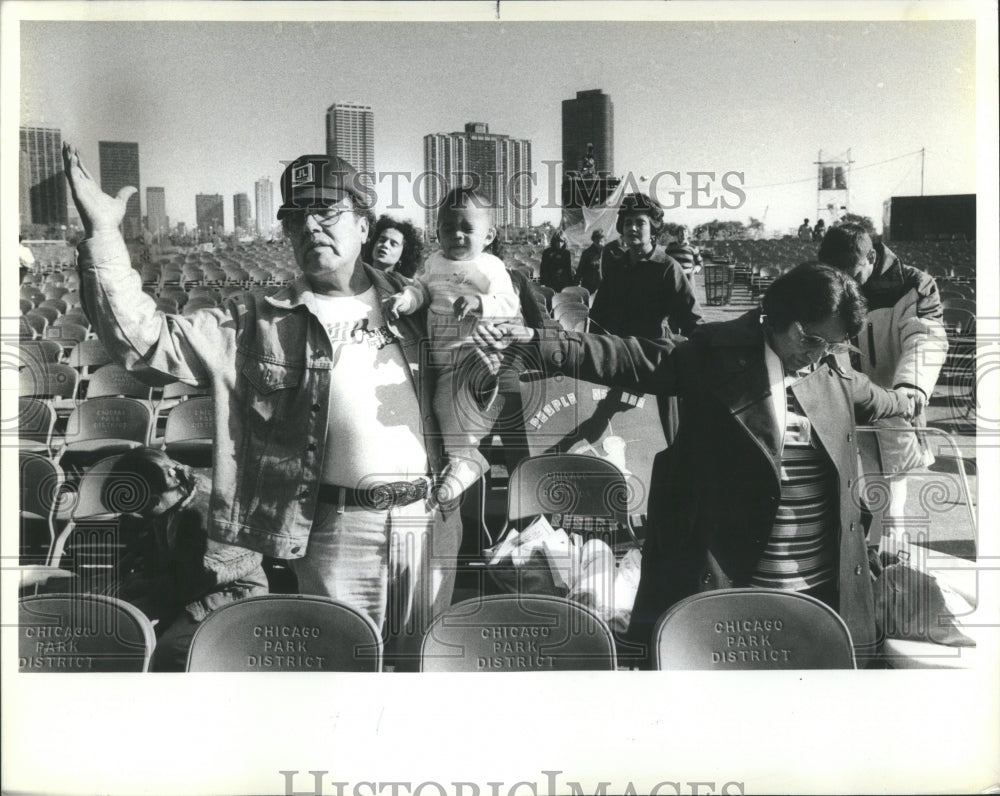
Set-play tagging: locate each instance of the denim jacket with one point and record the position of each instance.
(267, 360)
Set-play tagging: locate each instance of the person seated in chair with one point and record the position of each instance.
(170, 569)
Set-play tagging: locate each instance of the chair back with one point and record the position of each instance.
(101, 427)
(77, 317)
(517, 632)
(33, 321)
(568, 483)
(577, 290)
(33, 352)
(190, 430)
(35, 420)
(952, 303)
(103, 526)
(47, 380)
(739, 629)
(958, 321)
(77, 633)
(88, 355)
(69, 334)
(571, 316)
(113, 379)
(40, 481)
(286, 633)
(567, 295)
(47, 311)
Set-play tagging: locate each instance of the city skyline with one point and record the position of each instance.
(157, 221)
(493, 162)
(742, 111)
(588, 119)
(118, 162)
(350, 134)
(42, 189)
(263, 206)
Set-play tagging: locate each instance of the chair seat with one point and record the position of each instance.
(106, 447)
(190, 446)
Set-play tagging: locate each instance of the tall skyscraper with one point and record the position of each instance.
(263, 191)
(156, 211)
(42, 184)
(120, 167)
(498, 164)
(589, 119)
(241, 212)
(350, 134)
(209, 214)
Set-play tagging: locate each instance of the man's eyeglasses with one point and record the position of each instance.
(326, 216)
(814, 342)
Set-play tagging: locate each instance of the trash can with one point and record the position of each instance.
(718, 283)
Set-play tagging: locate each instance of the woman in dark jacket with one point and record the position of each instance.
(556, 269)
(769, 417)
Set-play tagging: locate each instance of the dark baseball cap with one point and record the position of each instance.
(641, 203)
(312, 181)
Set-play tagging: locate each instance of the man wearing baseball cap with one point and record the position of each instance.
(325, 443)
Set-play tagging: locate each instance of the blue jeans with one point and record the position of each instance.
(397, 566)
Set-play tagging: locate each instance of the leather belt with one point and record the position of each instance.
(377, 496)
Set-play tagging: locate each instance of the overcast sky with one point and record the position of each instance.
(215, 105)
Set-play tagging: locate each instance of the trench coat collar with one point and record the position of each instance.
(742, 385)
(741, 382)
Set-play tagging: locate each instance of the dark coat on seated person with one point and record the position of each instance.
(175, 574)
(713, 495)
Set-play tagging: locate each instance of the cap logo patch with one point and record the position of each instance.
(302, 175)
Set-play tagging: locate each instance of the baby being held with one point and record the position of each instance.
(460, 285)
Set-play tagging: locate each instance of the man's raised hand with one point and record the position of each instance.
(98, 211)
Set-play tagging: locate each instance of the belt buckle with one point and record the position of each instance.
(392, 493)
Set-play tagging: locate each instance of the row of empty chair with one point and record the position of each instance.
(759, 262)
(102, 426)
(500, 633)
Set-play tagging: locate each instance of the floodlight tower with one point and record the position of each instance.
(833, 187)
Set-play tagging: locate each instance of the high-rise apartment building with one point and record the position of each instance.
(350, 134)
(209, 214)
(263, 191)
(241, 213)
(41, 181)
(156, 211)
(587, 120)
(498, 164)
(119, 161)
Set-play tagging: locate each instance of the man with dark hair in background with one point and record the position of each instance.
(903, 345)
(588, 272)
